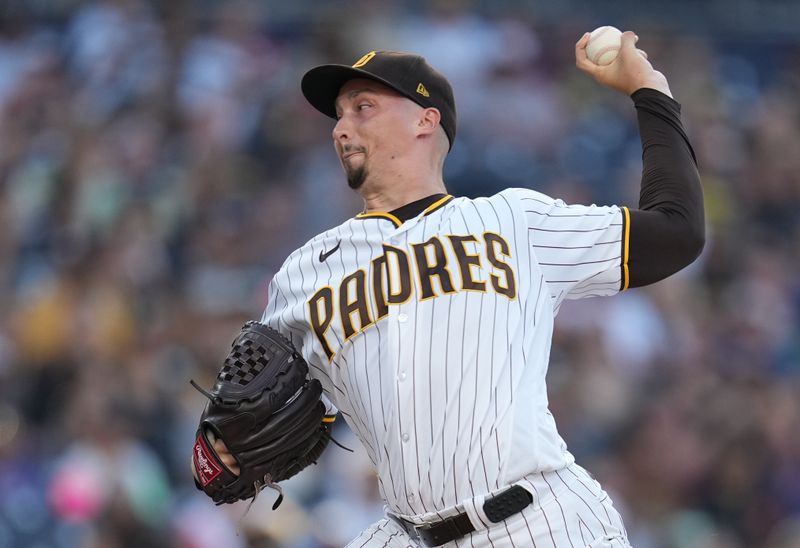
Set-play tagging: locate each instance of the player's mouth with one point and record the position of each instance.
(349, 155)
(348, 151)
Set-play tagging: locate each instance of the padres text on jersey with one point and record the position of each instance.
(388, 281)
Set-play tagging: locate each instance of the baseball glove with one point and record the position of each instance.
(268, 414)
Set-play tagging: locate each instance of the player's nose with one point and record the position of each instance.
(341, 131)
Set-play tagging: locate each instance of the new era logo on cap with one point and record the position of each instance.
(406, 73)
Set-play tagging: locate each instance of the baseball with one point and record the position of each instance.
(603, 45)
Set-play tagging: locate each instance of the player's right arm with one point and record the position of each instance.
(667, 231)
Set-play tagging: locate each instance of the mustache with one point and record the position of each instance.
(348, 149)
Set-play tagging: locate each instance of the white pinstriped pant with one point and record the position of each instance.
(569, 510)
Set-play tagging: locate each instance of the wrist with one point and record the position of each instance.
(663, 87)
(643, 95)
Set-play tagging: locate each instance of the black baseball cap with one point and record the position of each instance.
(406, 73)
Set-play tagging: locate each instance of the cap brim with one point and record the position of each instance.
(321, 85)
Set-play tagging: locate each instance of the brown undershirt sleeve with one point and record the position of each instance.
(667, 232)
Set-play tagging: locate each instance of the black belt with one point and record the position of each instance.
(497, 508)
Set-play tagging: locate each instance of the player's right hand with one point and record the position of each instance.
(630, 70)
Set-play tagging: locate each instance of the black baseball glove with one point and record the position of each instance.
(268, 414)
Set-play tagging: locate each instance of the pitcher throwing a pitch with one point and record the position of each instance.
(427, 318)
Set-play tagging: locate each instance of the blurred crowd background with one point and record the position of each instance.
(158, 162)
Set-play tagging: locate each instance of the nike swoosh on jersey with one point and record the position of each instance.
(323, 255)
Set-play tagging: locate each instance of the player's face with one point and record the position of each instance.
(374, 129)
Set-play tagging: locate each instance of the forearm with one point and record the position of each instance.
(667, 232)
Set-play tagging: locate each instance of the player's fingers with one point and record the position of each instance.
(629, 53)
(628, 45)
(580, 47)
(629, 39)
(581, 59)
(225, 456)
(222, 451)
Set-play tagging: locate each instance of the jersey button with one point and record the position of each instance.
(405, 438)
(402, 376)
(402, 318)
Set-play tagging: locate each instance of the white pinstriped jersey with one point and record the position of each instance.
(432, 336)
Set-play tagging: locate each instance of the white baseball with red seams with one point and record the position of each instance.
(603, 45)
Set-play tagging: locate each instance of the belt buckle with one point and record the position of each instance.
(407, 526)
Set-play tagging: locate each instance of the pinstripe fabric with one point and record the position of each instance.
(569, 510)
(432, 338)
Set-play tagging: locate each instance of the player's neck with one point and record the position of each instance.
(390, 197)
(409, 175)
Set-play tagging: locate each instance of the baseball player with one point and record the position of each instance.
(428, 318)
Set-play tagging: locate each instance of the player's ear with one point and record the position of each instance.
(428, 121)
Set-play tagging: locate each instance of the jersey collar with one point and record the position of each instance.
(398, 216)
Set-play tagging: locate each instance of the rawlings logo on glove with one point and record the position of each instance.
(206, 471)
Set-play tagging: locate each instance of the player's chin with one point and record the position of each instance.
(355, 176)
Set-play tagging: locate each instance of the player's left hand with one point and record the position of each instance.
(631, 70)
(264, 421)
(226, 457)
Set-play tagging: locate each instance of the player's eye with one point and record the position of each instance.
(363, 106)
